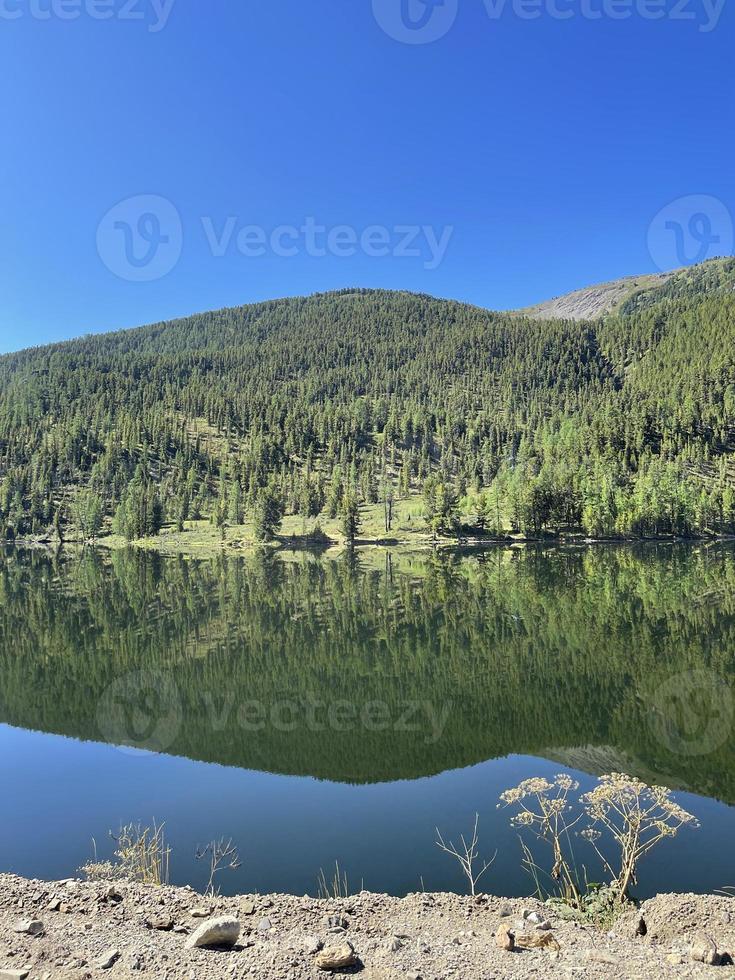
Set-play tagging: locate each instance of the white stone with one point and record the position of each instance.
(108, 959)
(224, 931)
(33, 927)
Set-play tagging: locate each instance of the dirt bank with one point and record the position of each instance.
(88, 930)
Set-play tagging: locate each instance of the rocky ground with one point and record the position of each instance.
(593, 301)
(74, 930)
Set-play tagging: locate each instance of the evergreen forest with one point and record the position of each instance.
(321, 407)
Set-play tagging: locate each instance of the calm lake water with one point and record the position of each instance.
(320, 709)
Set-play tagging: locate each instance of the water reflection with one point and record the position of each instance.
(375, 669)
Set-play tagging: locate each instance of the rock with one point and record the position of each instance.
(163, 923)
(336, 957)
(395, 944)
(201, 913)
(265, 925)
(31, 927)
(108, 959)
(312, 945)
(598, 956)
(247, 907)
(337, 922)
(224, 931)
(54, 905)
(543, 926)
(113, 895)
(537, 940)
(14, 974)
(504, 939)
(676, 959)
(704, 950)
(505, 911)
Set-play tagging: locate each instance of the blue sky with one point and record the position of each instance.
(275, 148)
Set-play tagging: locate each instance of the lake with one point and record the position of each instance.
(320, 709)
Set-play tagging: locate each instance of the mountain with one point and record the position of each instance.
(626, 294)
(594, 301)
(326, 405)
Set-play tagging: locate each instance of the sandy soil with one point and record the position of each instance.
(90, 930)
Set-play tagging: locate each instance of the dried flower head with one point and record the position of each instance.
(536, 786)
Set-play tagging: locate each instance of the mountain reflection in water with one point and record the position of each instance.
(378, 668)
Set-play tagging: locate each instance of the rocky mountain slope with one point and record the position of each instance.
(594, 301)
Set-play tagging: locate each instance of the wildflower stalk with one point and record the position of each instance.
(634, 816)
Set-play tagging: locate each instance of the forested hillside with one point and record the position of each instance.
(623, 425)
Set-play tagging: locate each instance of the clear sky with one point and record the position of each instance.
(499, 153)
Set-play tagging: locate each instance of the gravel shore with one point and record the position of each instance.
(74, 930)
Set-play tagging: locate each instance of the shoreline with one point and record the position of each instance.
(125, 929)
(195, 543)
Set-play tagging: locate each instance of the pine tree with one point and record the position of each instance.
(140, 512)
(87, 515)
(350, 517)
(267, 513)
(440, 507)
